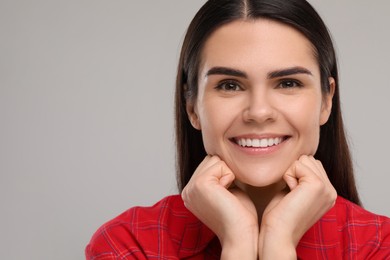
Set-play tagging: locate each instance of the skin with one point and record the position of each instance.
(259, 80)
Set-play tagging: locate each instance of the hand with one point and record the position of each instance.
(229, 213)
(291, 213)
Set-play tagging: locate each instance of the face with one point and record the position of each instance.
(259, 105)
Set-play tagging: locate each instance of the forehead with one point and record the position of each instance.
(259, 44)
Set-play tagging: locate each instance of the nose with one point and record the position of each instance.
(259, 108)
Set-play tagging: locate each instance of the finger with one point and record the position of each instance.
(317, 180)
(315, 166)
(227, 177)
(302, 172)
(208, 162)
(290, 177)
(212, 171)
(197, 176)
(318, 169)
(216, 168)
(333, 193)
(309, 161)
(322, 170)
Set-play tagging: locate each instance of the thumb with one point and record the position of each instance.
(227, 177)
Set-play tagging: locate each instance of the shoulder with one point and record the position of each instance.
(350, 215)
(362, 231)
(145, 232)
(347, 231)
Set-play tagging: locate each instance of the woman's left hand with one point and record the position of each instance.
(292, 212)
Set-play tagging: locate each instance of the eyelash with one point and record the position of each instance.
(235, 86)
(295, 83)
(230, 83)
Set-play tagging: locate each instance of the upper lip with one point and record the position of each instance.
(259, 136)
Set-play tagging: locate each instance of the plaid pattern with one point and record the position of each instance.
(347, 231)
(168, 230)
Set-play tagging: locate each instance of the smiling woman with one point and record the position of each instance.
(263, 162)
(276, 95)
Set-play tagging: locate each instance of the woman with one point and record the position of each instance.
(261, 149)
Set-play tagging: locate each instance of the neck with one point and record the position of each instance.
(262, 196)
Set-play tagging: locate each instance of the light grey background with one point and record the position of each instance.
(86, 111)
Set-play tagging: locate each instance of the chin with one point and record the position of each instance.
(260, 178)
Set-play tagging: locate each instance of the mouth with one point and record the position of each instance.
(259, 142)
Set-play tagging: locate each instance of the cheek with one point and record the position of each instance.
(215, 120)
(312, 137)
(306, 120)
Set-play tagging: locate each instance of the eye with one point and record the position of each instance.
(229, 86)
(290, 83)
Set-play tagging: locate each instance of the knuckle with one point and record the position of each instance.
(318, 185)
(319, 163)
(331, 196)
(303, 158)
(196, 184)
(184, 194)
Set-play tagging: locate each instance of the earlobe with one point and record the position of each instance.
(327, 102)
(193, 115)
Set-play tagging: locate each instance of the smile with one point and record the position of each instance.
(259, 143)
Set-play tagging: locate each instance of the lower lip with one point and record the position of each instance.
(260, 150)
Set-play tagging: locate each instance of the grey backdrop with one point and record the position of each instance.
(86, 117)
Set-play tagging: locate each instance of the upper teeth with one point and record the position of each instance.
(263, 143)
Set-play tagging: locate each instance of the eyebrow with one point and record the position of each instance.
(226, 71)
(288, 72)
(270, 75)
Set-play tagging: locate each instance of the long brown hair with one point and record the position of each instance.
(333, 149)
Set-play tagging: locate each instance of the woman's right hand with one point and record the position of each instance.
(228, 212)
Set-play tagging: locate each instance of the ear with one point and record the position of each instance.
(192, 113)
(326, 108)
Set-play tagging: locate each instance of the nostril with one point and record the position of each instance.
(259, 113)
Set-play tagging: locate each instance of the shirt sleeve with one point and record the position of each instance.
(114, 241)
(378, 247)
(364, 235)
(166, 230)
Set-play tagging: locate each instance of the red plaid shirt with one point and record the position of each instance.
(168, 230)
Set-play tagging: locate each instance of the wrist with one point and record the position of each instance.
(239, 252)
(240, 246)
(274, 245)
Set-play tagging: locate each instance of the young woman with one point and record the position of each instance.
(264, 168)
